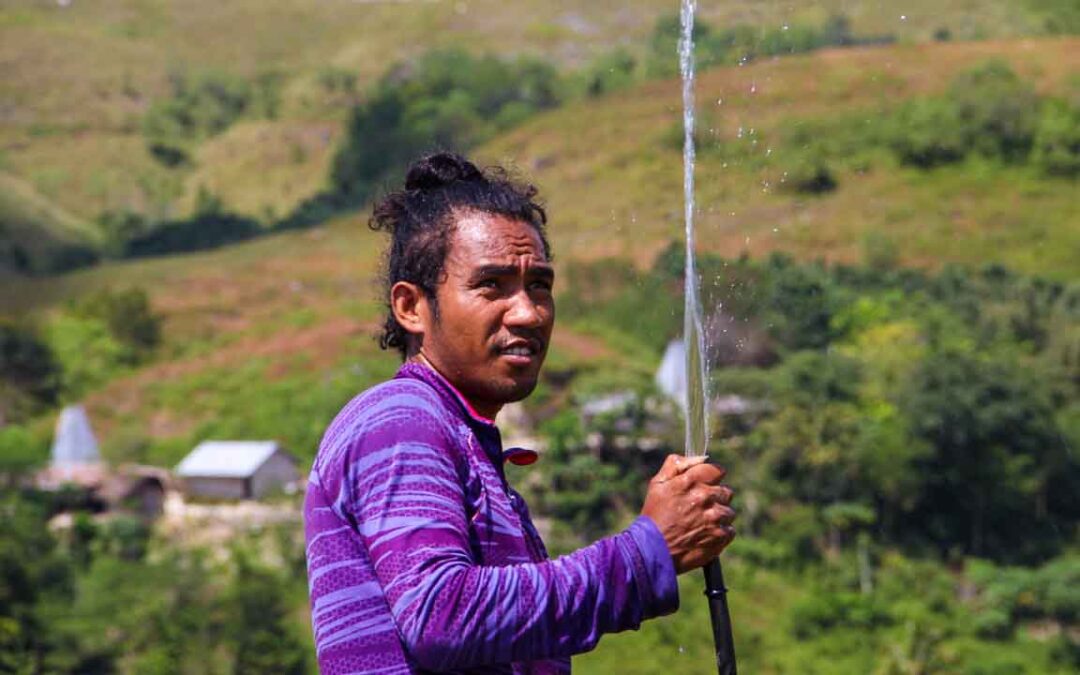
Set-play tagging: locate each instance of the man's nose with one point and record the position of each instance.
(524, 311)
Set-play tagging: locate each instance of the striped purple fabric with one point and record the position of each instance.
(421, 558)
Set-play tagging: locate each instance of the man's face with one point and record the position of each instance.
(495, 311)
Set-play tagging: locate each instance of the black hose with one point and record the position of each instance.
(716, 592)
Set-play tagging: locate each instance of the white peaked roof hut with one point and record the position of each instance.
(75, 455)
(671, 375)
(237, 470)
(74, 443)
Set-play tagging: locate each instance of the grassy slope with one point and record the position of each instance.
(269, 337)
(78, 78)
(613, 174)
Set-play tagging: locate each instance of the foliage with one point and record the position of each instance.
(1057, 140)
(264, 641)
(87, 351)
(926, 409)
(203, 105)
(447, 99)
(128, 315)
(989, 110)
(29, 374)
(20, 452)
(104, 606)
(742, 43)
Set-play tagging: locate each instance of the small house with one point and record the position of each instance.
(237, 470)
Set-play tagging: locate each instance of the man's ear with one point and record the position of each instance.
(410, 307)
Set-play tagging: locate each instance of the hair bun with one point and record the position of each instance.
(439, 170)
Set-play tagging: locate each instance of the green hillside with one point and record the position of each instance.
(35, 234)
(889, 241)
(80, 78)
(612, 169)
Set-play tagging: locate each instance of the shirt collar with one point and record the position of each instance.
(422, 371)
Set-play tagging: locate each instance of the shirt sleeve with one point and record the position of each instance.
(408, 505)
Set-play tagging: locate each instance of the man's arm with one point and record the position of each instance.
(408, 503)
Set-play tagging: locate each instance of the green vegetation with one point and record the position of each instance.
(908, 365)
(202, 106)
(168, 609)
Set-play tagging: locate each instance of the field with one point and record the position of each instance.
(892, 294)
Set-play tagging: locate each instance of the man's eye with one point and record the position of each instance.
(487, 283)
(542, 286)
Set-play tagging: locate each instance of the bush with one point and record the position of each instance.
(128, 315)
(29, 373)
(997, 110)
(1057, 140)
(199, 232)
(448, 99)
(203, 105)
(988, 110)
(611, 72)
(810, 176)
(928, 133)
(827, 610)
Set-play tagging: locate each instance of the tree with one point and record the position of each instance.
(127, 314)
(29, 373)
(995, 450)
(257, 623)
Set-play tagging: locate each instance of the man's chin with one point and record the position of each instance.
(515, 389)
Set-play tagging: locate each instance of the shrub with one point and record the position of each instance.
(1057, 140)
(29, 373)
(810, 176)
(203, 105)
(450, 99)
(199, 232)
(928, 133)
(831, 609)
(611, 72)
(128, 315)
(997, 110)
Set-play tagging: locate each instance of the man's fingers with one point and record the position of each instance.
(709, 474)
(710, 495)
(724, 515)
(675, 465)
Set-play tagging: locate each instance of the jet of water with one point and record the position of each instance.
(697, 395)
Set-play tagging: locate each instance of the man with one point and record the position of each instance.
(420, 556)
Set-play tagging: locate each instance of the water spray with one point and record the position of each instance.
(697, 395)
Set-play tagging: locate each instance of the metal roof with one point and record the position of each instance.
(226, 459)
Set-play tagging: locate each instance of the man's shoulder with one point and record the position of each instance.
(393, 409)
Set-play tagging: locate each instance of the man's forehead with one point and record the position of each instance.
(492, 239)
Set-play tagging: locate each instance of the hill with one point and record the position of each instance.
(79, 78)
(612, 170)
(289, 319)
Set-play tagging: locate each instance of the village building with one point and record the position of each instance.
(76, 466)
(237, 470)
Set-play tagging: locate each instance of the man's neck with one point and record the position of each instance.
(485, 413)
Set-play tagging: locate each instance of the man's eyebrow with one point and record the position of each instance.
(538, 269)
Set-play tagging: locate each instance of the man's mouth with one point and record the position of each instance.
(520, 352)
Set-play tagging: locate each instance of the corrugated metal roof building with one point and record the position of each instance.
(237, 470)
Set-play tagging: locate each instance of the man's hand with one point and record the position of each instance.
(691, 509)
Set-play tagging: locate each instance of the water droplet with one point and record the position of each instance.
(786, 27)
(753, 88)
(719, 101)
(903, 17)
(682, 650)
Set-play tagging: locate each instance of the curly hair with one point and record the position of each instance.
(420, 220)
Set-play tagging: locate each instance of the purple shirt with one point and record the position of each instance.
(421, 556)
